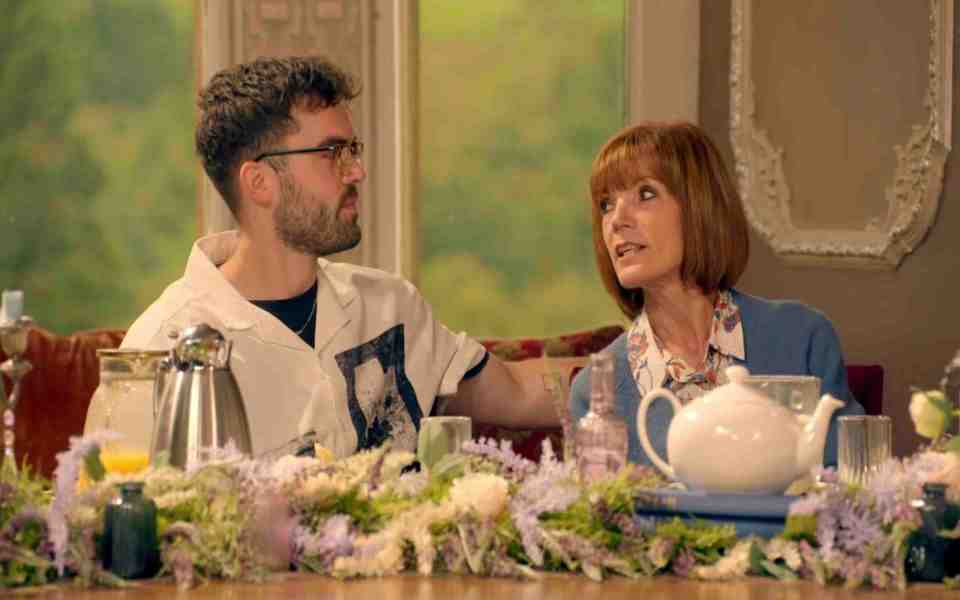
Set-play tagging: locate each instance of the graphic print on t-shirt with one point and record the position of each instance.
(382, 401)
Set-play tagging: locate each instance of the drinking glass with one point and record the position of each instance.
(864, 445)
(440, 436)
(557, 376)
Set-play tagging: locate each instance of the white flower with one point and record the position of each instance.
(929, 418)
(484, 493)
(287, 467)
(173, 499)
(322, 486)
(375, 556)
(735, 563)
(789, 551)
(410, 484)
(394, 463)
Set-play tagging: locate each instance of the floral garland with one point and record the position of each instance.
(484, 511)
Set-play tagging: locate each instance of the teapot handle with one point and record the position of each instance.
(642, 426)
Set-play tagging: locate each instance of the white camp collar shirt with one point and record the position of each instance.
(380, 359)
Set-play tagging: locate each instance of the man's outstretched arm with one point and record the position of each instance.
(511, 394)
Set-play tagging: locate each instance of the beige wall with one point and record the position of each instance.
(905, 320)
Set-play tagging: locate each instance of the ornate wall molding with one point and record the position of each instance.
(912, 196)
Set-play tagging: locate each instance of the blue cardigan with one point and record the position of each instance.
(779, 338)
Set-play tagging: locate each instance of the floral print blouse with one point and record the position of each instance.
(654, 366)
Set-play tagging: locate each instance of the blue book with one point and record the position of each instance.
(764, 528)
(751, 514)
(746, 506)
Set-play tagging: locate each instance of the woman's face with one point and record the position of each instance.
(643, 232)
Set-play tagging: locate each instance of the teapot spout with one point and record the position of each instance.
(813, 437)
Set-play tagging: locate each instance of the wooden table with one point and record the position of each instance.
(551, 587)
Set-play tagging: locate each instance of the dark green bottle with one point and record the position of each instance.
(931, 557)
(130, 546)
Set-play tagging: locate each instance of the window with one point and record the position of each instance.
(97, 173)
(515, 99)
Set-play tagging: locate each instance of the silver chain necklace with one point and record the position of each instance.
(309, 317)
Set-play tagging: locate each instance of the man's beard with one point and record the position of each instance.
(310, 227)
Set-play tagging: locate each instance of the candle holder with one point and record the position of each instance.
(13, 340)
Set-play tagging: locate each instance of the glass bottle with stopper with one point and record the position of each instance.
(601, 434)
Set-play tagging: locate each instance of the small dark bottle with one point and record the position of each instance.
(130, 546)
(931, 557)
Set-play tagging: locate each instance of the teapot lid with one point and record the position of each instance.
(201, 345)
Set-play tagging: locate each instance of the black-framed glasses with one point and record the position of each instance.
(344, 154)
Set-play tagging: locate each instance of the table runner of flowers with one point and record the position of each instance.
(485, 511)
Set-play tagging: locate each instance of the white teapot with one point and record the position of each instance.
(736, 440)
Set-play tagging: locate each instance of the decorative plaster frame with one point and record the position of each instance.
(913, 195)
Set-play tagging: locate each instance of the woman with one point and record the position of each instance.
(670, 239)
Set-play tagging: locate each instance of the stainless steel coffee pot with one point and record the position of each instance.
(197, 399)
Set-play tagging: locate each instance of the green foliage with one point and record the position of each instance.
(22, 531)
(96, 166)
(801, 527)
(99, 179)
(93, 465)
(23, 490)
(505, 156)
(706, 540)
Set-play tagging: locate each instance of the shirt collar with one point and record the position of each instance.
(647, 361)
(203, 273)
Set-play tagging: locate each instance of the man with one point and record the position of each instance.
(347, 354)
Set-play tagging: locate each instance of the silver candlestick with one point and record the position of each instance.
(13, 340)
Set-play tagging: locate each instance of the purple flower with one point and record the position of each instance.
(527, 523)
(514, 465)
(551, 488)
(65, 477)
(888, 489)
(683, 563)
(334, 539)
(825, 474)
(808, 505)
(7, 493)
(182, 566)
(25, 517)
(854, 570)
(858, 528)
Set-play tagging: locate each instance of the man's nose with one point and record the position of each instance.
(355, 173)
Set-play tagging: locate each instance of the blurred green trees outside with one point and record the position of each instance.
(97, 175)
(516, 97)
(98, 178)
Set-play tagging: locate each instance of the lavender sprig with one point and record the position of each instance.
(65, 478)
(514, 466)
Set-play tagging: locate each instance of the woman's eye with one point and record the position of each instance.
(647, 193)
(604, 206)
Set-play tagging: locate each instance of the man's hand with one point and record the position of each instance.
(512, 394)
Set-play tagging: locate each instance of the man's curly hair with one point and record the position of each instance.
(245, 110)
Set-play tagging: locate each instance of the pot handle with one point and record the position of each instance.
(642, 426)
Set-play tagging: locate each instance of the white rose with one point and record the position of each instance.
(482, 492)
(929, 420)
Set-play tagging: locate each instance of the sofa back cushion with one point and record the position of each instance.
(56, 392)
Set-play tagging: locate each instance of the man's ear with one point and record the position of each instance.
(257, 182)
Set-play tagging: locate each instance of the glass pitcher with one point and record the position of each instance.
(124, 402)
